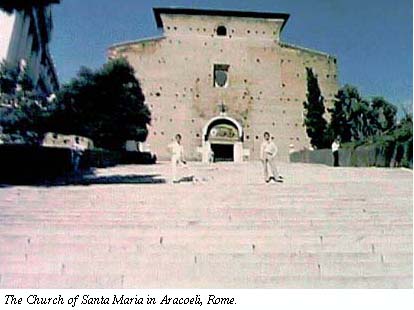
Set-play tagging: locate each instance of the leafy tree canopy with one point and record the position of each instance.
(106, 105)
(384, 114)
(404, 129)
(354, 118)
(340, 113)
(22, 109)
(8, 78)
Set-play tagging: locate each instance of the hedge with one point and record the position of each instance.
(23, 163)
(27, 164)
(140, 158)
(385, 154)
(100, 158)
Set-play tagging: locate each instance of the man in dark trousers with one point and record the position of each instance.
(335, 152)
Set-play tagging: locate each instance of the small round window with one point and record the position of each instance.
(221, 31)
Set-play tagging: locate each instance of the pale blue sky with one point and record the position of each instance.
(372, 39)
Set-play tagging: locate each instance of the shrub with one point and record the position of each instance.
(22, 163)
(100, 158)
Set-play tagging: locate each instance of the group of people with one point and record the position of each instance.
(268, 152)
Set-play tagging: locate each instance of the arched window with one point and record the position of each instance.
(221, 31)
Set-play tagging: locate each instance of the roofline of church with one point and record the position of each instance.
(205, 12)
(143, 40)
(305, 49)
(156, 38)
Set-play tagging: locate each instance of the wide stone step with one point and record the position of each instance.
(19, 280)
(239, 247)
(112, 258)
(159, 242)
(208, 268)
(221, 276)
(196, 226)
(284, 208)
(123, 236)
(214, 225)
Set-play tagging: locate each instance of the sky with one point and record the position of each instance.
(372, 39)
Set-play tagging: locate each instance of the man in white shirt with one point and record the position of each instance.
(177, 156)
(77, 151)
(335, 152)
(268, 152)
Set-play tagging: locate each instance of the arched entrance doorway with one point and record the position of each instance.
(223, 136)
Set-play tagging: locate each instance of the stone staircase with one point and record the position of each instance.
(322, 228)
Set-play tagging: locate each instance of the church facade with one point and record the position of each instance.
(223, 78)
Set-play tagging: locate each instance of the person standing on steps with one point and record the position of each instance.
(177, 156)
(268, 152)
(335, 152)
(77, 152)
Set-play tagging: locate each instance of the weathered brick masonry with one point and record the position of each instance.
(207, 62)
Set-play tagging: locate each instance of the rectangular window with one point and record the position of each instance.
(221, 78)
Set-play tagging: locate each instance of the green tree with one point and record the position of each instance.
(383, 115)
(24, 117)
(314, 121)
(404, 129)
(8, 78)
(358, 117)
(107, 106)
(343, 111)
(22, 110)
(354, 118)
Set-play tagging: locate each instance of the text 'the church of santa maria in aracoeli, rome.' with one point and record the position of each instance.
(222, 78)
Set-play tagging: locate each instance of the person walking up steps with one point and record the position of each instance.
(268, 152)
